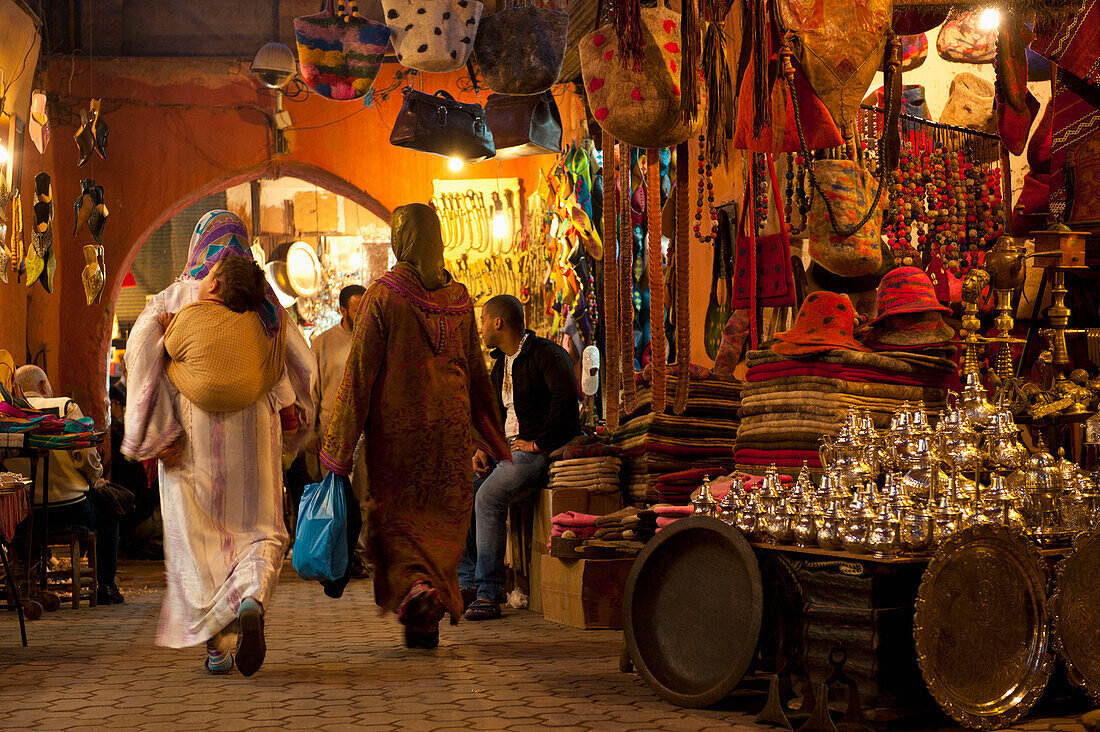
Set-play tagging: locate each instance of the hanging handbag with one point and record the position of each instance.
(846, 191)
(781, 134)
(963, 40)
(769, 256)
(914, 50)
(340, 55)
(638, 104)
(438, 124)
(520, 49)
(840, 64)
(436, 36)
(524, 125)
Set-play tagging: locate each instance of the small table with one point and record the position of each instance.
(14, 507)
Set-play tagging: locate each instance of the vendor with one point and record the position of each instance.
(72, 474)
(534, 381)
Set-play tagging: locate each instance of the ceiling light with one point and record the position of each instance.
(990, 19)
(3, 155)
(274, 65)
(454, 164)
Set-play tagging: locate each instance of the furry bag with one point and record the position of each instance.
(638, 106)
(850, 189)
(433, 35)
(963, 40)
(520, 49)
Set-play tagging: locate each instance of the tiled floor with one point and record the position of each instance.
(333, 664)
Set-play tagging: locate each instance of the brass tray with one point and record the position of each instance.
(1075, 607)
(981, 627)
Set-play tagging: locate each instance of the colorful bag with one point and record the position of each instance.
(340, 55)
(964, 41)
(782, 134)
(914, 50)
(850, 191)
(520, 49)
(769, 255)
(639, 107)
(839, 66)
(436, 36)
(1073, 42)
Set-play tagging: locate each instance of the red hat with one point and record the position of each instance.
(906, 290)
(825, 321)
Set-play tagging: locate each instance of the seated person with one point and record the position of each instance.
(537, 387)
(131, 476)
(222, 359)
(72, 473)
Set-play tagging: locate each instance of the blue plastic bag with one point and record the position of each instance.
(320, 543)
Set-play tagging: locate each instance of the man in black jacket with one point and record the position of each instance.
(537, 388)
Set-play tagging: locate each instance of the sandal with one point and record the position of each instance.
(482, 609)
(469, 594)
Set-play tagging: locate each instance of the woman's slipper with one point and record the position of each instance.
(98, 218)
(84, 204)
(482, 609)
(93, 275)
(253, 647)
(85, 138)
(420, 613)
(217, 664)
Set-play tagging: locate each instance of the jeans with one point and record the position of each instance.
(85, 513)
(482, 564)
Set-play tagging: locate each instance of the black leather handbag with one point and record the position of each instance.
(524, 125)
(441, 125)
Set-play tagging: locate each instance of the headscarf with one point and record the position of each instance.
(418, 244)
(221, 234)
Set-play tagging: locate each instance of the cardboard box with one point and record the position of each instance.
(584, 593)
(552, 501)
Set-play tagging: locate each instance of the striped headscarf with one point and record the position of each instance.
(222, 234)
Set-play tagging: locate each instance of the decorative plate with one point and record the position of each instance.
(303, 269)
(981, 627)
(1075, 607)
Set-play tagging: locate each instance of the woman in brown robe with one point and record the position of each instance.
(415, 384)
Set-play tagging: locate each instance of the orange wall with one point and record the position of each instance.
(182, 129)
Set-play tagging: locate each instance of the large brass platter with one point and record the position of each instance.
(981, 626)
(1076, 610)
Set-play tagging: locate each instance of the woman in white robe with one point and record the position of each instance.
(220, 472)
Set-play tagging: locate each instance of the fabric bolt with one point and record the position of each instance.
(893, 362)
(220, 360)
(827, 385)
(222, 503)
(774, 371)
(666, 511)
(415, 315)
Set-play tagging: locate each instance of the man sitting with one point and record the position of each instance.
(72, 473)
(535, 381)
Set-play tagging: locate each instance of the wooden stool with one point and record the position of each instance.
(77, 581)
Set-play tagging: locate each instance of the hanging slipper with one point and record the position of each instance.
(98, 218)
(43, 190)
(5, 195)
(100, 131)
(46, 280)
(5, 254)
(41, 241)
(39, 124)
(93, 275)
(85, 138)
(82, 209)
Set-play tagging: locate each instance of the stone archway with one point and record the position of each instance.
(96, 383)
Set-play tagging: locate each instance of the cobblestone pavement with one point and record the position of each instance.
(334, 665)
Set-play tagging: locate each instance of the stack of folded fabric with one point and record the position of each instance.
(598, 474)
(573, 525)
(668, 515)
(631, 524)
(676, 488)
(702, 437)
(801, 388)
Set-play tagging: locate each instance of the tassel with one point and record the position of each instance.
(626, 18)
(683, 276)
(658, 359)
(689, 62)
(761, 93)
(611, 326)
(626, 283)
(720, 112)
